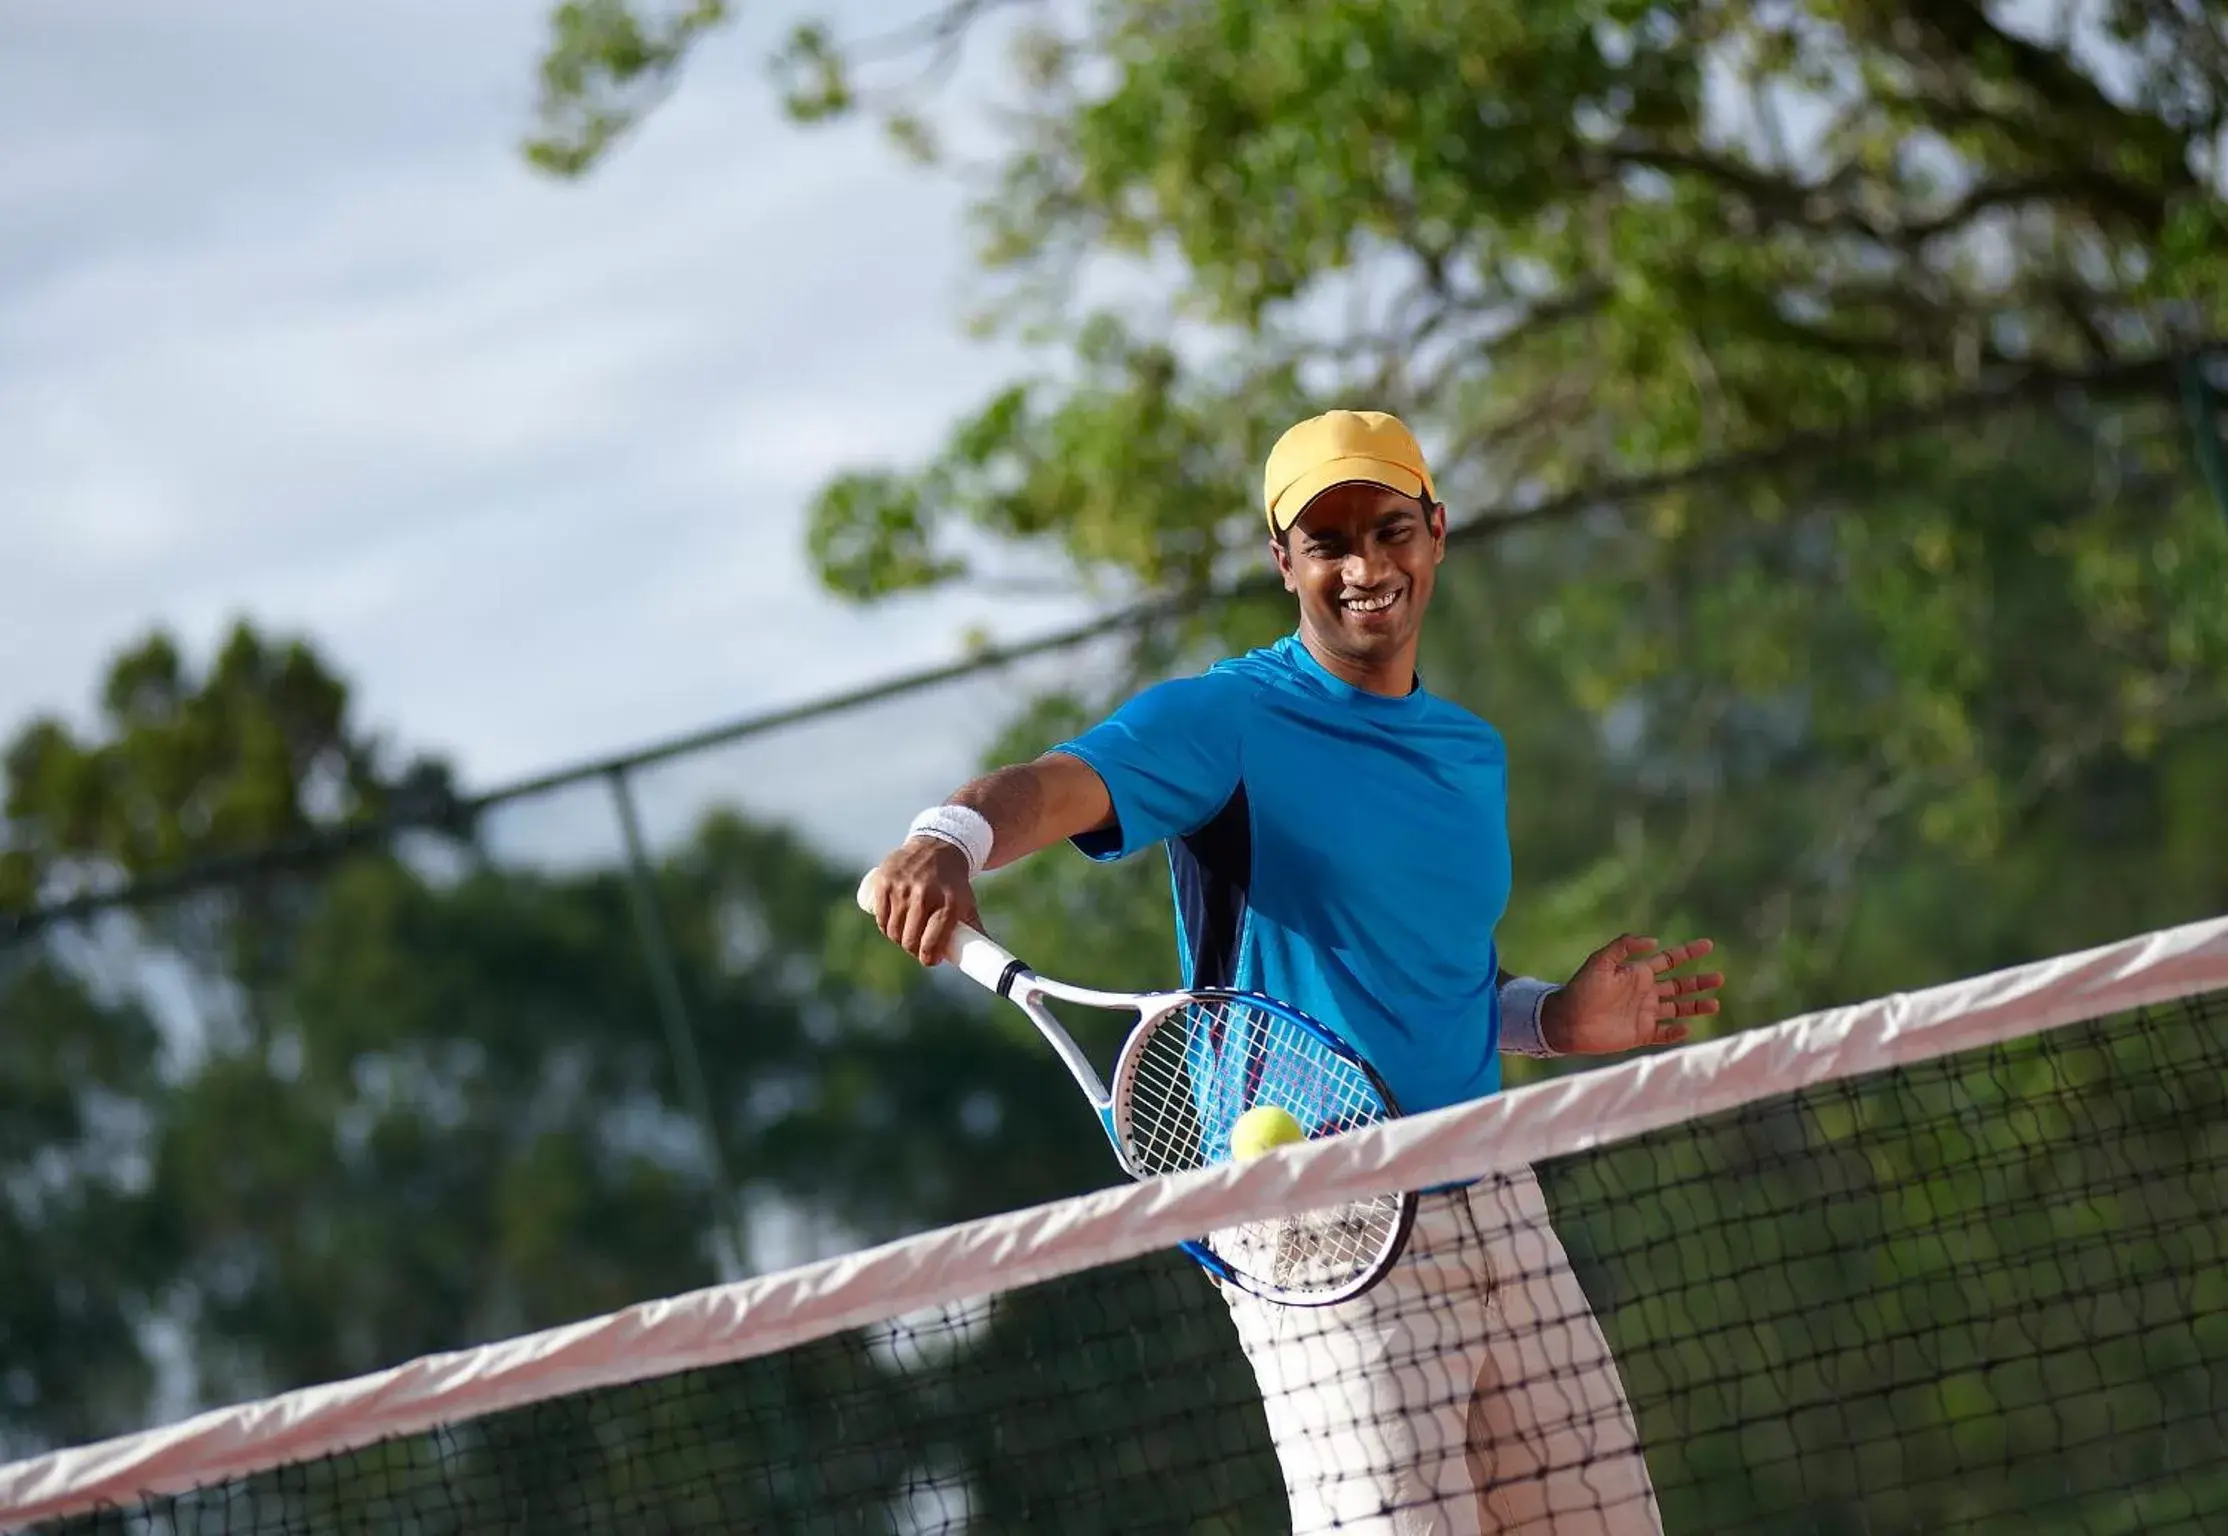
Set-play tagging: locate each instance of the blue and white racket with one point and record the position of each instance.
(1189, 1068)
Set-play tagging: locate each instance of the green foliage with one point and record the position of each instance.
(1669, 229)
(608, 63)
(1582, 241)
(1131, 474)
(405, 1100)
(258, 751)
(1578, 242)
(867, 538)
(1799, 707)
(812, 73)
(1976, 1295)
(77, 1247)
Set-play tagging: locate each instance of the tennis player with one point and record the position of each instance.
(1338, 837)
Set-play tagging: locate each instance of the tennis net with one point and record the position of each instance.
(1947, 1261)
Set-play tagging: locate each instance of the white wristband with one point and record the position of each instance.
(1522, 999)
(962, 827)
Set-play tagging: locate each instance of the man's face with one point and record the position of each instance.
(1362, 560)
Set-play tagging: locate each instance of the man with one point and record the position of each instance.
(1338, 838)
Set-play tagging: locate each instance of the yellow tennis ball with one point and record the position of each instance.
(1261, 1128)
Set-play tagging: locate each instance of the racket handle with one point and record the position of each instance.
(977, 956)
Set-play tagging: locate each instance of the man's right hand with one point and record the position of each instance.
(922, 891)
(921, 895)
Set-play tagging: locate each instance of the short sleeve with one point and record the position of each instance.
(1168, 758)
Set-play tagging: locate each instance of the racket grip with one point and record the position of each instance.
(977, 956)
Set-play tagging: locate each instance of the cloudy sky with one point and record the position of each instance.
(288, 329)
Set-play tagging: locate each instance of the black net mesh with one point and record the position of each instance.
(1983, 1293)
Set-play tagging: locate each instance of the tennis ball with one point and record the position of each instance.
(1260, 1128)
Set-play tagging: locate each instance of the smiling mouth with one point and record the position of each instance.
(1375, 603)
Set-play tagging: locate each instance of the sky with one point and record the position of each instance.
(289, 330)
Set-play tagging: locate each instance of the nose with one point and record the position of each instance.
(1362, 566)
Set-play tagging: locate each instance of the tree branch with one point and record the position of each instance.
(1983, 198)
(942, 34)
(1780, 200)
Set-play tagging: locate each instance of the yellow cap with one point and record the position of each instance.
(1341, 448)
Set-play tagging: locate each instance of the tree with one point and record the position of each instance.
(256, 751)
(1581, 238)
(77, 1253)
(1581, 245)
(439, 1110)
(402, 1099)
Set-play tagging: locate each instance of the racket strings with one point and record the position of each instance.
(1215, 1059)
(1316, 1250)
(1208, 1064)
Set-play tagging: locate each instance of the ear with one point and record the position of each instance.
(1280, 550)
(1435, 518)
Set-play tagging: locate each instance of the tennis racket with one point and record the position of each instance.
(1192, 1064)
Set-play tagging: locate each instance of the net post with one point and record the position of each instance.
(680, 1033)
(2201, 402)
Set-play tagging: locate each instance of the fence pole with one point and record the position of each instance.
(680, 1035)
(2200, 402)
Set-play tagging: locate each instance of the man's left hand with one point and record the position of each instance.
(1624, 998)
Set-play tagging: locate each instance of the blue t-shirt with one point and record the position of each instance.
(1337, 849)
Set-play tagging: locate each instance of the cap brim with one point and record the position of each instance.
(1297, 497)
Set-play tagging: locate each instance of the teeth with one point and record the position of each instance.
(1371, 604)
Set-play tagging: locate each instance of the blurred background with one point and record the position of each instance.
(506, 508)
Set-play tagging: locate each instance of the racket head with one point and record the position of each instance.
(1185, 1076)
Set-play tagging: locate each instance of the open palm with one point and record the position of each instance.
(1623, 998)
